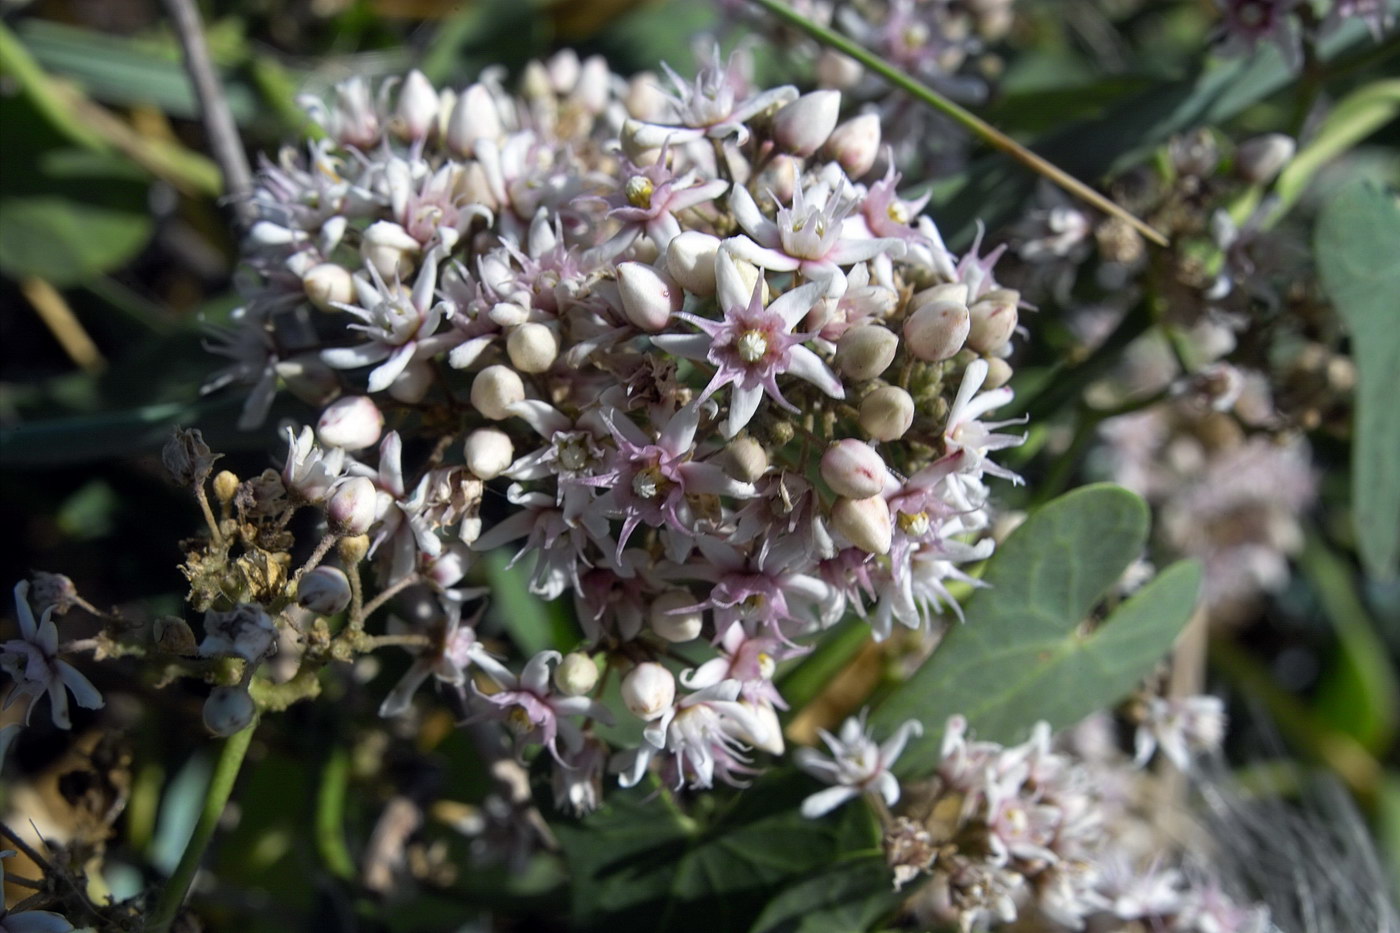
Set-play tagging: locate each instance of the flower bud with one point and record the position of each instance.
(592, 90)
(489, 452)
(324, 591)
(993, 320)
(998, 373)
(352, 549)
(866, 351)
(508, 314)
(417, 109)
(803, 125)
(228, 710)
(674, 617)
(855, 144)
(246, 631)
(390, 249)
(1259, 159)
(648, 299)
(648, 690)
(495, 389)
(887, 413)
(576, 675)
(328, 283)
(225, 486)
(351, 508)
(837, 70)
(174, 636)
(412, 385)
(690, 258)
(475, 117)
(746, 458)
(644, 99)
(353, 422)
(937, 330)
(865, 523)
(854, 469)
(532, 347)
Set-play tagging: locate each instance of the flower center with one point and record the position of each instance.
(638, 190)
(898, 212)
(572, 454)
(648, 482)
(752, 346)
(766, 665)
(915, 525)
(518, 721)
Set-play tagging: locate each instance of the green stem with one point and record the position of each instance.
(215, 799)
(330, 815)
(964, 118)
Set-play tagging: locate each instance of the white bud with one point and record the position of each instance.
(508, 314)
(746, 458)
(674, 617)
(648, 690)
(324, 591)
(866, 351)
(937, 330)
(592, 89)
(779, 178)
(690, 258)
(411, 385)
(865, 523)
(803, 125)
(390, 249)
(856, 144)
(887, 413)
(417, 110)
(998, 373)
(489, 452)
(576, 675)
(532, 347)
(853, 469)
(648, 299)
(352, 507)
(475, 117)
(228, 710)
(994, 319)
(1259, 159)
(353, 422)
(309, 379)
(562, 71)
(328, 283)
(495, 389)
(644, 99)
(769, 735)
(838, 71)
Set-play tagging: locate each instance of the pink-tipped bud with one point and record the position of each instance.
(417, 111)
(937, 330)
(390, 249)
(853, 469)
(532, 347)
(887, 413)
(866, 351)
(802, 126)
(994, 318)
(648, 299)
(328, 283)
(324, 591)
(351, 508)
(475, 117)
(576, 674)
(674, 617)
(353, 422)
(489, 452)
(865, 523)
(228, 710)
(856, 144)
(495, 389)
(648, 690)
(1259, 159)
(690, 258)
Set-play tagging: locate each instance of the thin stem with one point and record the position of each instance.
(215, 534)
(375, 642)
(322, 549)
(389, 593)
(213, 106)
(969, 121)
(330, 815)
(28, 850)
(215, 799)
(357, 598)
(25, 882)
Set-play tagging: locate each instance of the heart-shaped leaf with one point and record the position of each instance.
(1025, 652)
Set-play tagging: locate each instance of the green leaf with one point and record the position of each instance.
(640, 864)
(1024, 654)
(67, 241)
(845, 898)
(1357, 242)
(534, 625)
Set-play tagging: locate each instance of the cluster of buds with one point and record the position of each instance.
(667, 345)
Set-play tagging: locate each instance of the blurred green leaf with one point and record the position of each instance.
(66, 241)
(837, 646)
(533, 624)
(845, 897)
(1358, 257)
(1024, 653)
(88, 513)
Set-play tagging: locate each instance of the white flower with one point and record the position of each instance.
(857, 766)
(32, 660)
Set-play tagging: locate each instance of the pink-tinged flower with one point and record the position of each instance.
(810, 236)
(883, 213)
(32, 660)
(1376, 14)
(965, 433)
(433, 208)
(1246, 23)
(354, 119)
(648, 200)
(705, 735)
(572, 452)
(716, 105)
(538, 714)
(1182, 728)
(399, 516)
(753, 345)
(747, 658)
(453, 648)
(762, 594)
(311, 470)
(558, 544)
(856, 766)
(578, 778)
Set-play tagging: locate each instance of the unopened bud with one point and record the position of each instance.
(417, 110)
(187, 457)
(853, 469)
(327, 284)
(648, 299)
(576, 675)
(508, 314)
(1259, 159)
(865, 523)
(225, 486)
(353, 422)
(475, 117)
(837, 70)
(174, 636)
(411, 386)
(495, 389)
(351, 508)
(769, 735)
(644, 99)
(747, 459)
(390, 249)
(887, 413)
(489, 452)
(673, 615)
(856, 144)
(866, 351)
(802, 126)
(532, 347)
(648, 690)
(324, 591)
(690, 258)
(352, 549)
(937, 330)
(998, 373)
(994, 319)
(228, 710)
(246, 631)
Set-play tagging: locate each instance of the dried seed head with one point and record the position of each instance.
(187, 457)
